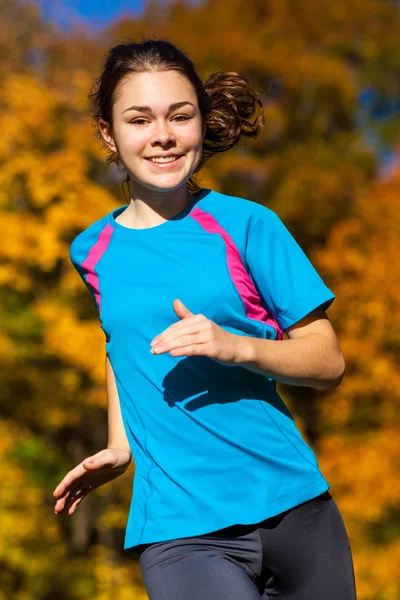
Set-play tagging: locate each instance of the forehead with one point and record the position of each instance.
(157, 89)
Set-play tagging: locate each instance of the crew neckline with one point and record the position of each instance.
(168, 224)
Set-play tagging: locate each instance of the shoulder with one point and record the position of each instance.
(89, 237)
(237, 211)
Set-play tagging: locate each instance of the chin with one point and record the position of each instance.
(167, 187)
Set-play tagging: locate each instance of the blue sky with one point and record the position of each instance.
(94, 14)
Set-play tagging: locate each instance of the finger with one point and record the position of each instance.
(180, 326)
(200, 332)
(179, 342)
(186, 340)
(96, 462)
(72, 509)
(105, 459)
(190, 350)
(60, 504)
(72, 500)
(70, 481)
(77, 500)
(181, 310)
(73, 476)
(172, 328)
(66, 499)
(69, 489)
(166, 340)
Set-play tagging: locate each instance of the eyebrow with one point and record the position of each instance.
(147, 109)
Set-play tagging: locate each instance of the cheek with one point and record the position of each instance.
(131, 140)
(193, 139)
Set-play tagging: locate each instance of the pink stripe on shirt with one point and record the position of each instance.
(93, 257)
(240, 277)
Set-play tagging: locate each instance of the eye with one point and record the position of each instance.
(184, 117)
(136, 121)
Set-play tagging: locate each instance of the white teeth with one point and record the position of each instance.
(162, 159)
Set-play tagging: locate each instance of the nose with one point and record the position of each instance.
(162, 134)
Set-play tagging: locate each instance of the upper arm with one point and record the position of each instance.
(315, 322)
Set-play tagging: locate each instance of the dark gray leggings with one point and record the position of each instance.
(301, 554)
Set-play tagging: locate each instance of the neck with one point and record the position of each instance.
(154, 208)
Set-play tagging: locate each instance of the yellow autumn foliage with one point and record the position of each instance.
(360, 445)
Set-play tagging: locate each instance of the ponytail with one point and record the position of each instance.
(232, 103)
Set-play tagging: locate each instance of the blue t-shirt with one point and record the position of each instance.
(213, 445)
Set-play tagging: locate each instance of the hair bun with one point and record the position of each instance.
(232, 103)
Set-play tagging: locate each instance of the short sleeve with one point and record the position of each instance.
(286, 279)
(77, 255)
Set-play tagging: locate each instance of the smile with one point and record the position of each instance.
(163, 161)
(164, 158)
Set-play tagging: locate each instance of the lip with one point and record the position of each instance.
(167, 165)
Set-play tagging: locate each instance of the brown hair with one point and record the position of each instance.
(226, 100)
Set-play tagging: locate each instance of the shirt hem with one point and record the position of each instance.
(321, 296)
(214, 523)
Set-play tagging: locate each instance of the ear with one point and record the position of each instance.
(105, 131)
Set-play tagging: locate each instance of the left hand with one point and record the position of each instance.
(195, 335)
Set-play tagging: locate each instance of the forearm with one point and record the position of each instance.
(312, 360)
(116, 431)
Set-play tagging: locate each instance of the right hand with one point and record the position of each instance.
(90, 474)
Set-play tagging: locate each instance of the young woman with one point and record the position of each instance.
(194, 290)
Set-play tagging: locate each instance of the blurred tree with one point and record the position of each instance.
(359, 422)
(22, 34)
(52, 349)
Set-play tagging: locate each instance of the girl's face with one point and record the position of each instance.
(156, 115)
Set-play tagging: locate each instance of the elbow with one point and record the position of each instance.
(339, 373)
